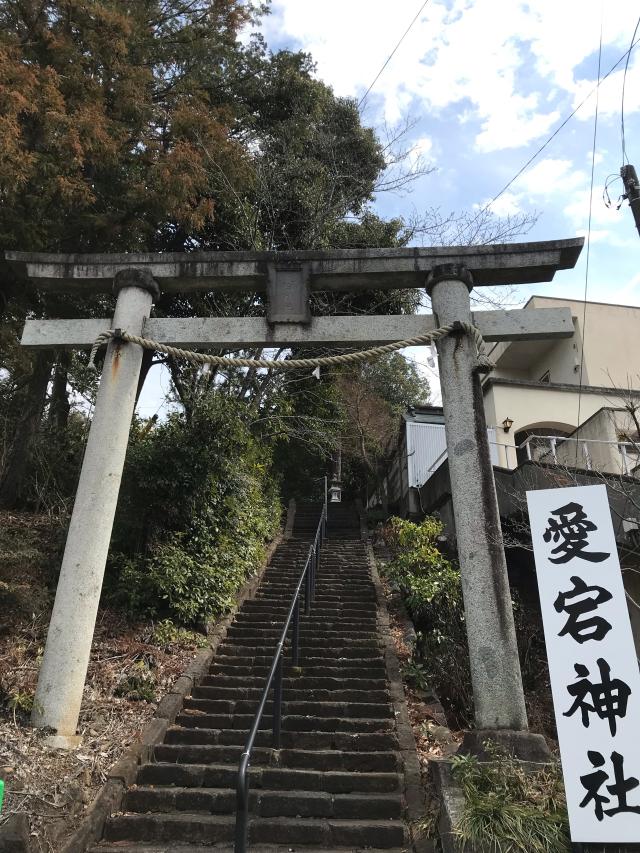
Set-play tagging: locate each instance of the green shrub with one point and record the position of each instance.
(197, 506)
(432, 592)
(415, 675)
(167, 634)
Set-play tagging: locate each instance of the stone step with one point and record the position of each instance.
(309, 656)
(363, 710)
(326, 585)
(248, 649)
(301, 682)
(307, 641)
(357, 582)
(258, 620)
(306, 633)
(209, 829)
(263, 802)
(295, 693)
(320, 598)
(274, 608)
(309, 664)
(340, 571)
(318, 740)
(135, 847)
(338, 613)
(201, 720)
(274, 778)
(359, 761)
(232, 667)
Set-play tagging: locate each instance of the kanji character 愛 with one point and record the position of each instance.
(571, 530)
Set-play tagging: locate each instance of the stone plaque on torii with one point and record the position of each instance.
(289, 278)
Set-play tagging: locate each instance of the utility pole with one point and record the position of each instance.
(631, 191)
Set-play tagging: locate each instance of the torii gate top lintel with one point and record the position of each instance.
(346, 269)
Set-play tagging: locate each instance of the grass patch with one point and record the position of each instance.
(508, 810)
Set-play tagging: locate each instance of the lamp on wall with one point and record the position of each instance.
(507, 423)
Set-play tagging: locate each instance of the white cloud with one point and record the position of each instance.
(508, 204)
(494, 62)
(422, 151)
(577, 211)
(550, 176)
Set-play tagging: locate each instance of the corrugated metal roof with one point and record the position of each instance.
(424, 415)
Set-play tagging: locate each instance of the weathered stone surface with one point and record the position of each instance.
(14, 835)
(170, 706)
(525, 746)
(495, 669)
(346, 269)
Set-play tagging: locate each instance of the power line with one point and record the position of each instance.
(559, 128)
(586, 272)
(624, 82)
(392, 54)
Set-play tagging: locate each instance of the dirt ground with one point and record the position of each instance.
(132, 666)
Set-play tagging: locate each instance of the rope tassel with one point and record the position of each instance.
(294, 363)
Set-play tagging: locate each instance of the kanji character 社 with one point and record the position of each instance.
(592, 782)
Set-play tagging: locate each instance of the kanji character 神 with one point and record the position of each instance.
(571, 530)
(609, 698)
(578, 601)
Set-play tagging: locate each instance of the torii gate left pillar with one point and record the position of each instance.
(288, 279)
(66, 657)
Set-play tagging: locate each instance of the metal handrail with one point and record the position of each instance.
(553, 441)
(308, 577)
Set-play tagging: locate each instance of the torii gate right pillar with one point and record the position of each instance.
(495, 667)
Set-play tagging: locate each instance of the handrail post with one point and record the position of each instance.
(277, 705)
(242, 805)
(307, 589)
(314, 567)
(295, 642)
(625, 460)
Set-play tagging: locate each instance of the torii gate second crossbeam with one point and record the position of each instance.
(449, 274)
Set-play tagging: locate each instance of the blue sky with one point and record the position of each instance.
(485, 83)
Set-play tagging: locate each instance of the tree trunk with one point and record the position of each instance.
(60, 405)
(145, 367)
(14, 475)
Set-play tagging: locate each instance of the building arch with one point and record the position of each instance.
(539, 449)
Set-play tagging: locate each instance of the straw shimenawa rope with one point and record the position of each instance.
(293, 363)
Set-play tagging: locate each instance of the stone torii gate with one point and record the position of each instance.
(289, 278)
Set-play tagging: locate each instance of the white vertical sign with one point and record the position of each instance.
(595, 679)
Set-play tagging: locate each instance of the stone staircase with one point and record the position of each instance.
(337, 782)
